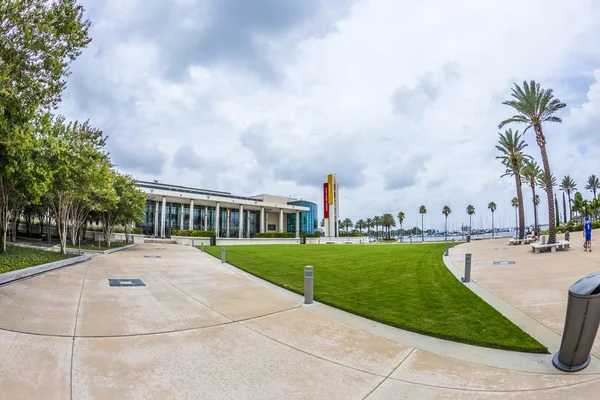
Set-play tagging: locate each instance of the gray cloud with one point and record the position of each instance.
(139, 158)
(402, 174)
(186, 158)
(413, 100)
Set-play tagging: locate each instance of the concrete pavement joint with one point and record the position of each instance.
(390, 374)
(75, 327)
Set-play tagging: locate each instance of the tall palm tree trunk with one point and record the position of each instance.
(521, 210)
(446, 232)
(535, 216)
(470, 225)
(422, 232)
(492, 224)
(570, 211)
(549, 189)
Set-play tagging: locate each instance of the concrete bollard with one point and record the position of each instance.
(202, 247)
(543, 240)
(446, 253)
(467, 277)
(223, 255)
(452, 243)
(308, 284)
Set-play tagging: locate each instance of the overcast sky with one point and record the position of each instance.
(400, 99)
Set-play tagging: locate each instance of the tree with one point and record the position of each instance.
(492, 208)
(376, 222)
(422, 211)
(341, 224)
(446, 211)
(557, 211)
(593, 184)
(536, 203)
(38, 41)
(569, 186)
(564, 209)
(515, 203)
(360, 225)
(470, 212)
(531, 173)
(123, 204)
(401, 221)
(535, 106)
(348, 224)
(580, 205)
(511, 145)
(387, 221)
(369, 223)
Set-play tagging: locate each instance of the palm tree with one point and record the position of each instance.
(593, 184)
(492, 208)
(387, 221)
(341, 225)
(531, 173)
(422, 211)
(580, 205)
(535, 106)
(360, 224)
(369, 224)
(401, 221)
(565, 209)
(470, 211)
(377, 222)
(348, 224)
(569, 186)
(541, 182)
(515, 203)
(446, 211)
(511, 148)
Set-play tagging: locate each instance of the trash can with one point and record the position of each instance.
(468, 238)
(581, 324)
(213, 241)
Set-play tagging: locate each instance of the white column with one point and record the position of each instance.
(163, 217)
(191, 227)
(248, 224)
(218, 211)
(205, 218)
(241, 223)
(181, 218)
(228, 222)
(297, 224)
(156, 218)
(262, 220)
(281, 220)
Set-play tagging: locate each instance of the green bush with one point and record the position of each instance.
(276, 235)
(351, 234)
(137, 231)
(311, 235)
(194, 233)
(390, 240)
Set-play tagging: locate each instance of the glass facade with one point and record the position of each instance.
(309, 220)
(147, 224)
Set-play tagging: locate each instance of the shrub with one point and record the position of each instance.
(274, 235)
(311, 235)
(137, 231)
(194, 233)
(351, 234)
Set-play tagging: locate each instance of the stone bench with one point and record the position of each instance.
(330, 242)
(560, 245)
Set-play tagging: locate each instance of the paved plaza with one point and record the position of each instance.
(198, 329)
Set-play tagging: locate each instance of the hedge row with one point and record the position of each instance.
(573, 227)
(194, 233)
(273, 235)
(311, 235)
(349, 234)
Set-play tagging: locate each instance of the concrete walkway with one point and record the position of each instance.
(201, 330)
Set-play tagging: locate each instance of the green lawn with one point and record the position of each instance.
(18, 257)
(407, 286)
(94, 246)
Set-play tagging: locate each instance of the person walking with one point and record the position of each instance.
(587, 231)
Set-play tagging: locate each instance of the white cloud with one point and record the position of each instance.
(401, 99)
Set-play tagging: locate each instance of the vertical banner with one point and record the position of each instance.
(330, 187)
(325, 200)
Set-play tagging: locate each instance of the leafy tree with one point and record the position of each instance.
(322, 222)
(123, 205)
(38, 41)
(470, 212)
(446, 211)
(492, 208)
(580, 205)
(557, 211)
(511, 146)
(593, 184)
(531, 173)
(341, 224)
(422, 211)
(569, 186)
(535, 106)
(564, 209)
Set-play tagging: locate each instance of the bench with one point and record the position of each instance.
(330, 242)
(560, 245)
(519, 241)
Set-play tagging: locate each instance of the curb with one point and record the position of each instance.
(11, 276)
(76, 251)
